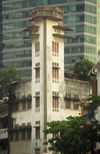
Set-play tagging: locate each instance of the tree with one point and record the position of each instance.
(82, 68)
(8, 75)
(75, 134)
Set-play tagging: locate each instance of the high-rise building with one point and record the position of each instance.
(1, 30)
(98, 25)
(79, 15)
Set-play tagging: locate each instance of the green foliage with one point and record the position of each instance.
(82, 68)
(70, 137)
(8, 75)
(75, 134)
(93, 103)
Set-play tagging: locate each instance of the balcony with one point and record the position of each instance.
(3, 134)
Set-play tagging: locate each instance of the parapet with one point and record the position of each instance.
(52, 13)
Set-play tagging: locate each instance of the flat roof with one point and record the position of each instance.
(47, 9)
(76, 80)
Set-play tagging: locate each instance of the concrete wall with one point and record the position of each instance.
(22, 147)
(54, 86)
(69, 86)
(23, 89)
(78, 90)
(77, 87)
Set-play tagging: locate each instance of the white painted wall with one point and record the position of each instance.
(52, 86)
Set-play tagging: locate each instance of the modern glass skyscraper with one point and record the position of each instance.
(1, 31)
(80, 15)
(98, 25)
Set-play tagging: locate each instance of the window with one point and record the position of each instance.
(37, 72)
(68, 104)
(55, 48)
(37, 48)
(37, 101)
(23, 134)
(55, 101)
(37, 122)
(37, 104)
(16, 136)
(55, 71)
(37, 132)
(29, 134)
(75, 106)
(11, 136)
(24, 106)
(20, 44)
(76, 97)
(29, 104)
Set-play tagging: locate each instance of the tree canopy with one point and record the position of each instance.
(8, 75)
(82, 68)
(75, 134)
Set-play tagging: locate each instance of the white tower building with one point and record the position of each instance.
(47, 68)
(48, 97)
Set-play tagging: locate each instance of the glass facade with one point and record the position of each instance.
(1, 35)
(98, 25)
(80, 15)
(82, 19)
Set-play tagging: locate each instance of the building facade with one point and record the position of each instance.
(96, 70)
(80, 15)
(48, 96)
(3, 127)
(98, 25)
(1, 31)
(21, 118)
(26, 134)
